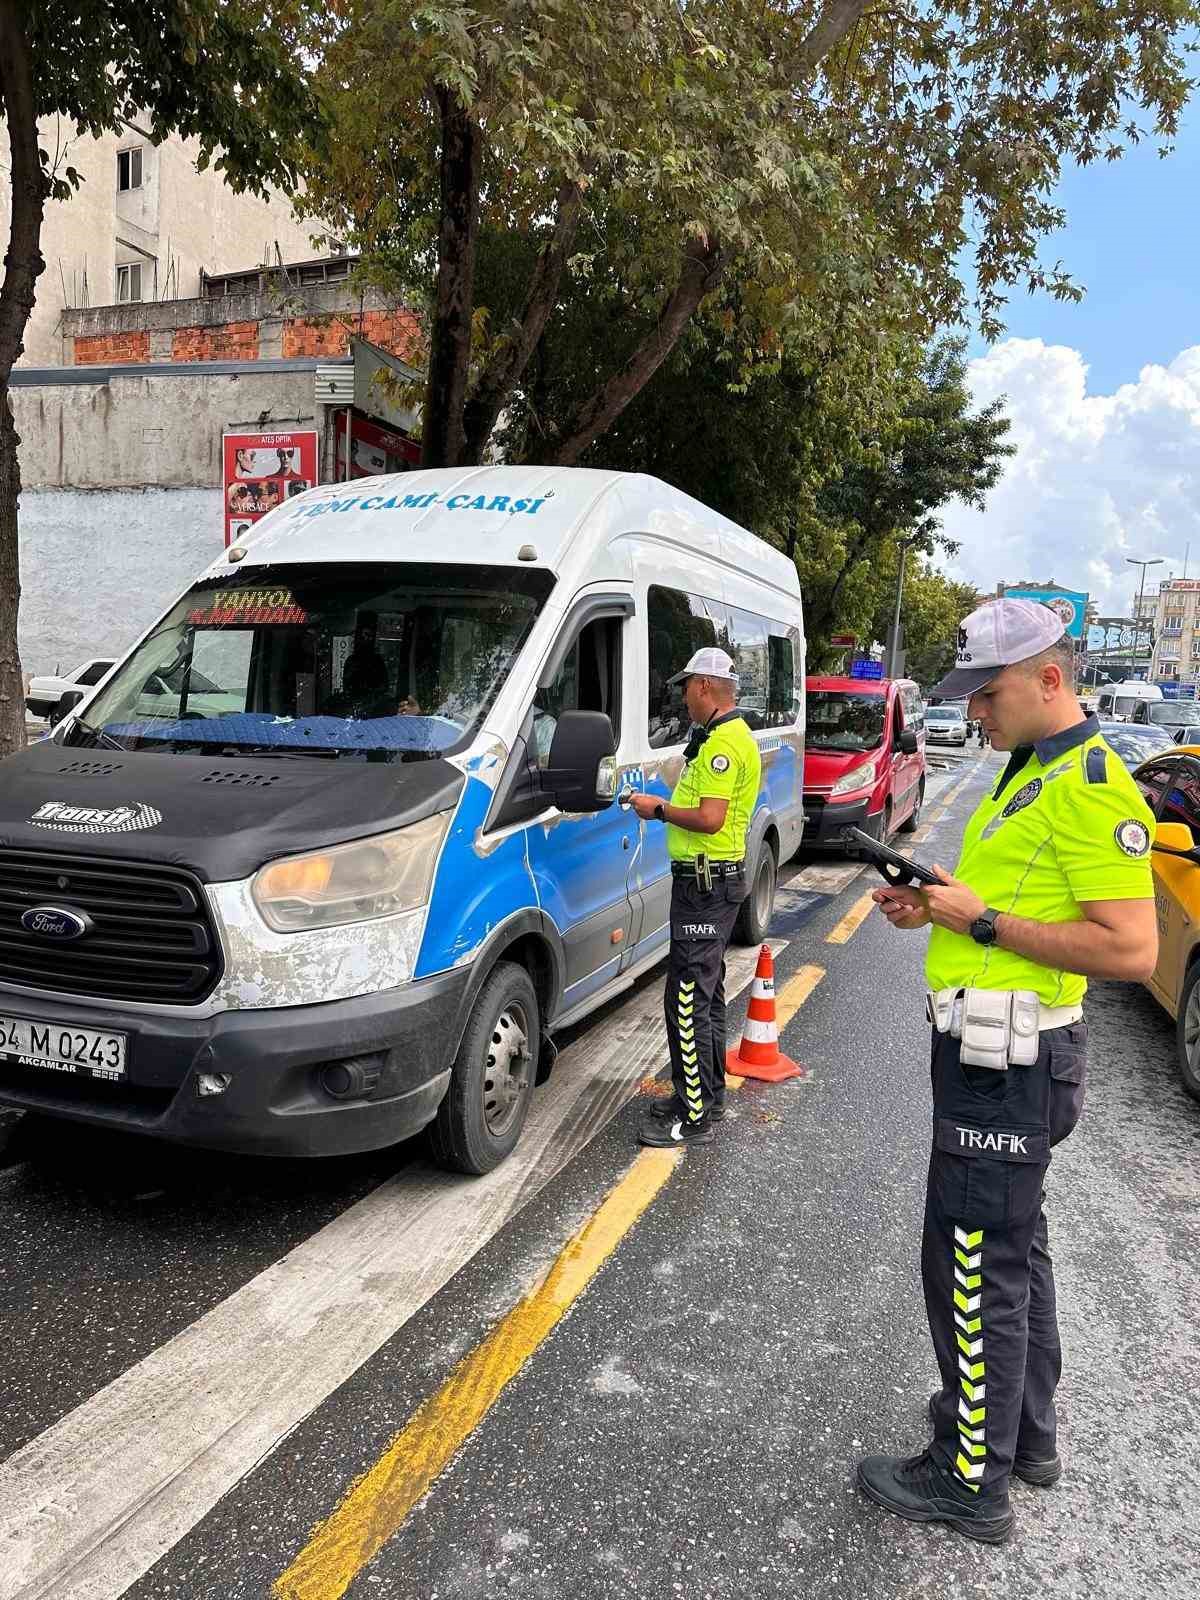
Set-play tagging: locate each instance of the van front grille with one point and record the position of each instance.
(151, 937)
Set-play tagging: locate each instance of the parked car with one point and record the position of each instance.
(864, 758)
(1171, 786)
(45, 692)
(1134, 742)
(1188, 734)
(347, 848)
(946, 725)
(1170, 714)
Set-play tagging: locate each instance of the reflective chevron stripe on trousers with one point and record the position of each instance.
(985, 1259)
(694, 1000)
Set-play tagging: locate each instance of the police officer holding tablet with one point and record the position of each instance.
(706, 820)
(1053, 886)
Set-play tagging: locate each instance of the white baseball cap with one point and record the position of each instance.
(708, 663)
(995, 636)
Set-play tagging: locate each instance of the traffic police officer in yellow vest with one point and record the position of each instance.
(706, 819)
(1053, 887)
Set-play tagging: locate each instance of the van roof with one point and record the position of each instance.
(489, 514)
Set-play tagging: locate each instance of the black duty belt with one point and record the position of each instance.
(719, 869)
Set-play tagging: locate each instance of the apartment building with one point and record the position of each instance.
(1175, 612)
(144, 226)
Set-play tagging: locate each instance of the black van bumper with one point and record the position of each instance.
(400, 1043)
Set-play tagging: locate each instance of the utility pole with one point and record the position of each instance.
(894, 647)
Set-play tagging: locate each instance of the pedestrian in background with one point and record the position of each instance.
(1053, 886)
(706, 819)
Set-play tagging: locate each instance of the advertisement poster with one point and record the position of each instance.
(262, 470)
(1068, 603)
(374, 450)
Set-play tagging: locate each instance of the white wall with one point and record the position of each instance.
(99, 565)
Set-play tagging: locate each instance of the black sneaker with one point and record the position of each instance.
(1040, 1473)
(920, 1489)
(672, 1109)
(675, 1132)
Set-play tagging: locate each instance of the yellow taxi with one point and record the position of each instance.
(1171, 784)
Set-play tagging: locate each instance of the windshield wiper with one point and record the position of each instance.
(98, 736)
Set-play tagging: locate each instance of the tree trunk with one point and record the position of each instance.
(22, 264)
(507, 367)
(443, 440)
(703, 266)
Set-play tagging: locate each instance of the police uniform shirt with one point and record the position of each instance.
(726, 767)
(1066, 824)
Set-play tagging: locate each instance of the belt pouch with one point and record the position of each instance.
(985, 1028)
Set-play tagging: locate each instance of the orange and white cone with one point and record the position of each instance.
(758, 1055)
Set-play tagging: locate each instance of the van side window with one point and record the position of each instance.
(588, 680)
(679, 625)
(764, 654)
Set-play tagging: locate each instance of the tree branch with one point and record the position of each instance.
(442, 437)
(830, 28)
(703, 266)
(507, 366)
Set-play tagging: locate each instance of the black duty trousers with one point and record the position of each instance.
(985, 1258)
(694, 1000)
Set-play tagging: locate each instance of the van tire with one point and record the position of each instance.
(912, 823)
(480, 1119)
(754, 919)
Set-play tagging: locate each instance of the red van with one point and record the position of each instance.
(864, 758)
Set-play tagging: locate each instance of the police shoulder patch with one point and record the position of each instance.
(719, 763)
(1133, 837)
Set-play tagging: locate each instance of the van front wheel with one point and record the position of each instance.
(480, 1120)
(754, 919)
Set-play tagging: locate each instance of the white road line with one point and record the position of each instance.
(90, 1505)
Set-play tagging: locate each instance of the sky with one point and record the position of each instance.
(1104, 396)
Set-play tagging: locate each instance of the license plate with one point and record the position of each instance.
(58, 1048)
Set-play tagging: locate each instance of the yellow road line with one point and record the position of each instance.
(377, 1505)
(795, 992)
(853, 920)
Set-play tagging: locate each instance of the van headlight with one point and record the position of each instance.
(860, 777)
(373, 877)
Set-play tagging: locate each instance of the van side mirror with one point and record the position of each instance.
(582, 771)
(907, 742)
(68, 700)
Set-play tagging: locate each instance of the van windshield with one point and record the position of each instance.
(384, 662)
(844, 721)
(1172, 713)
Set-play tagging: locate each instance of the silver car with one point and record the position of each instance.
(945, 725)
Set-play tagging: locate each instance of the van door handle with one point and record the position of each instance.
(624, 841)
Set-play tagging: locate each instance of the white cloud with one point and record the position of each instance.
(1096, 478)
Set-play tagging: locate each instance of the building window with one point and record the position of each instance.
(129, 282)
(129, 170)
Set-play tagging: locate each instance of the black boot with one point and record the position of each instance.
(675, 1132)
(920, 1489)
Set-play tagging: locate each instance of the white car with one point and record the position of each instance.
(945, 725)
(46, 692)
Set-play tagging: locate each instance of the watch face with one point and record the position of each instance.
(983, 930)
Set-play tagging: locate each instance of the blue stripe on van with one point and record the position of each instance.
(472, 893)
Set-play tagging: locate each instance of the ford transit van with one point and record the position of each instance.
(339, 844)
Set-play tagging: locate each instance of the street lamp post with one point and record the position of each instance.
(1137, 621)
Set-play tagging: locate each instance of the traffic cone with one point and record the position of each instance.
(758, 1055)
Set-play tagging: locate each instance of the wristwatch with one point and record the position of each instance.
(983, 929)
(660, 812)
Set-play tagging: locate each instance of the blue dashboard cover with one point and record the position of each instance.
(321, 733)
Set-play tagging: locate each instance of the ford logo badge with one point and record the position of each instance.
(55, 922)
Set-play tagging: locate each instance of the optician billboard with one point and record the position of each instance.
(1068, 603)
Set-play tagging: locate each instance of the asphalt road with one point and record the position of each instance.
(202, 1355)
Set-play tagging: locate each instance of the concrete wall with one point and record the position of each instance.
(137, 430)
(99, 566)
(185, 220)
